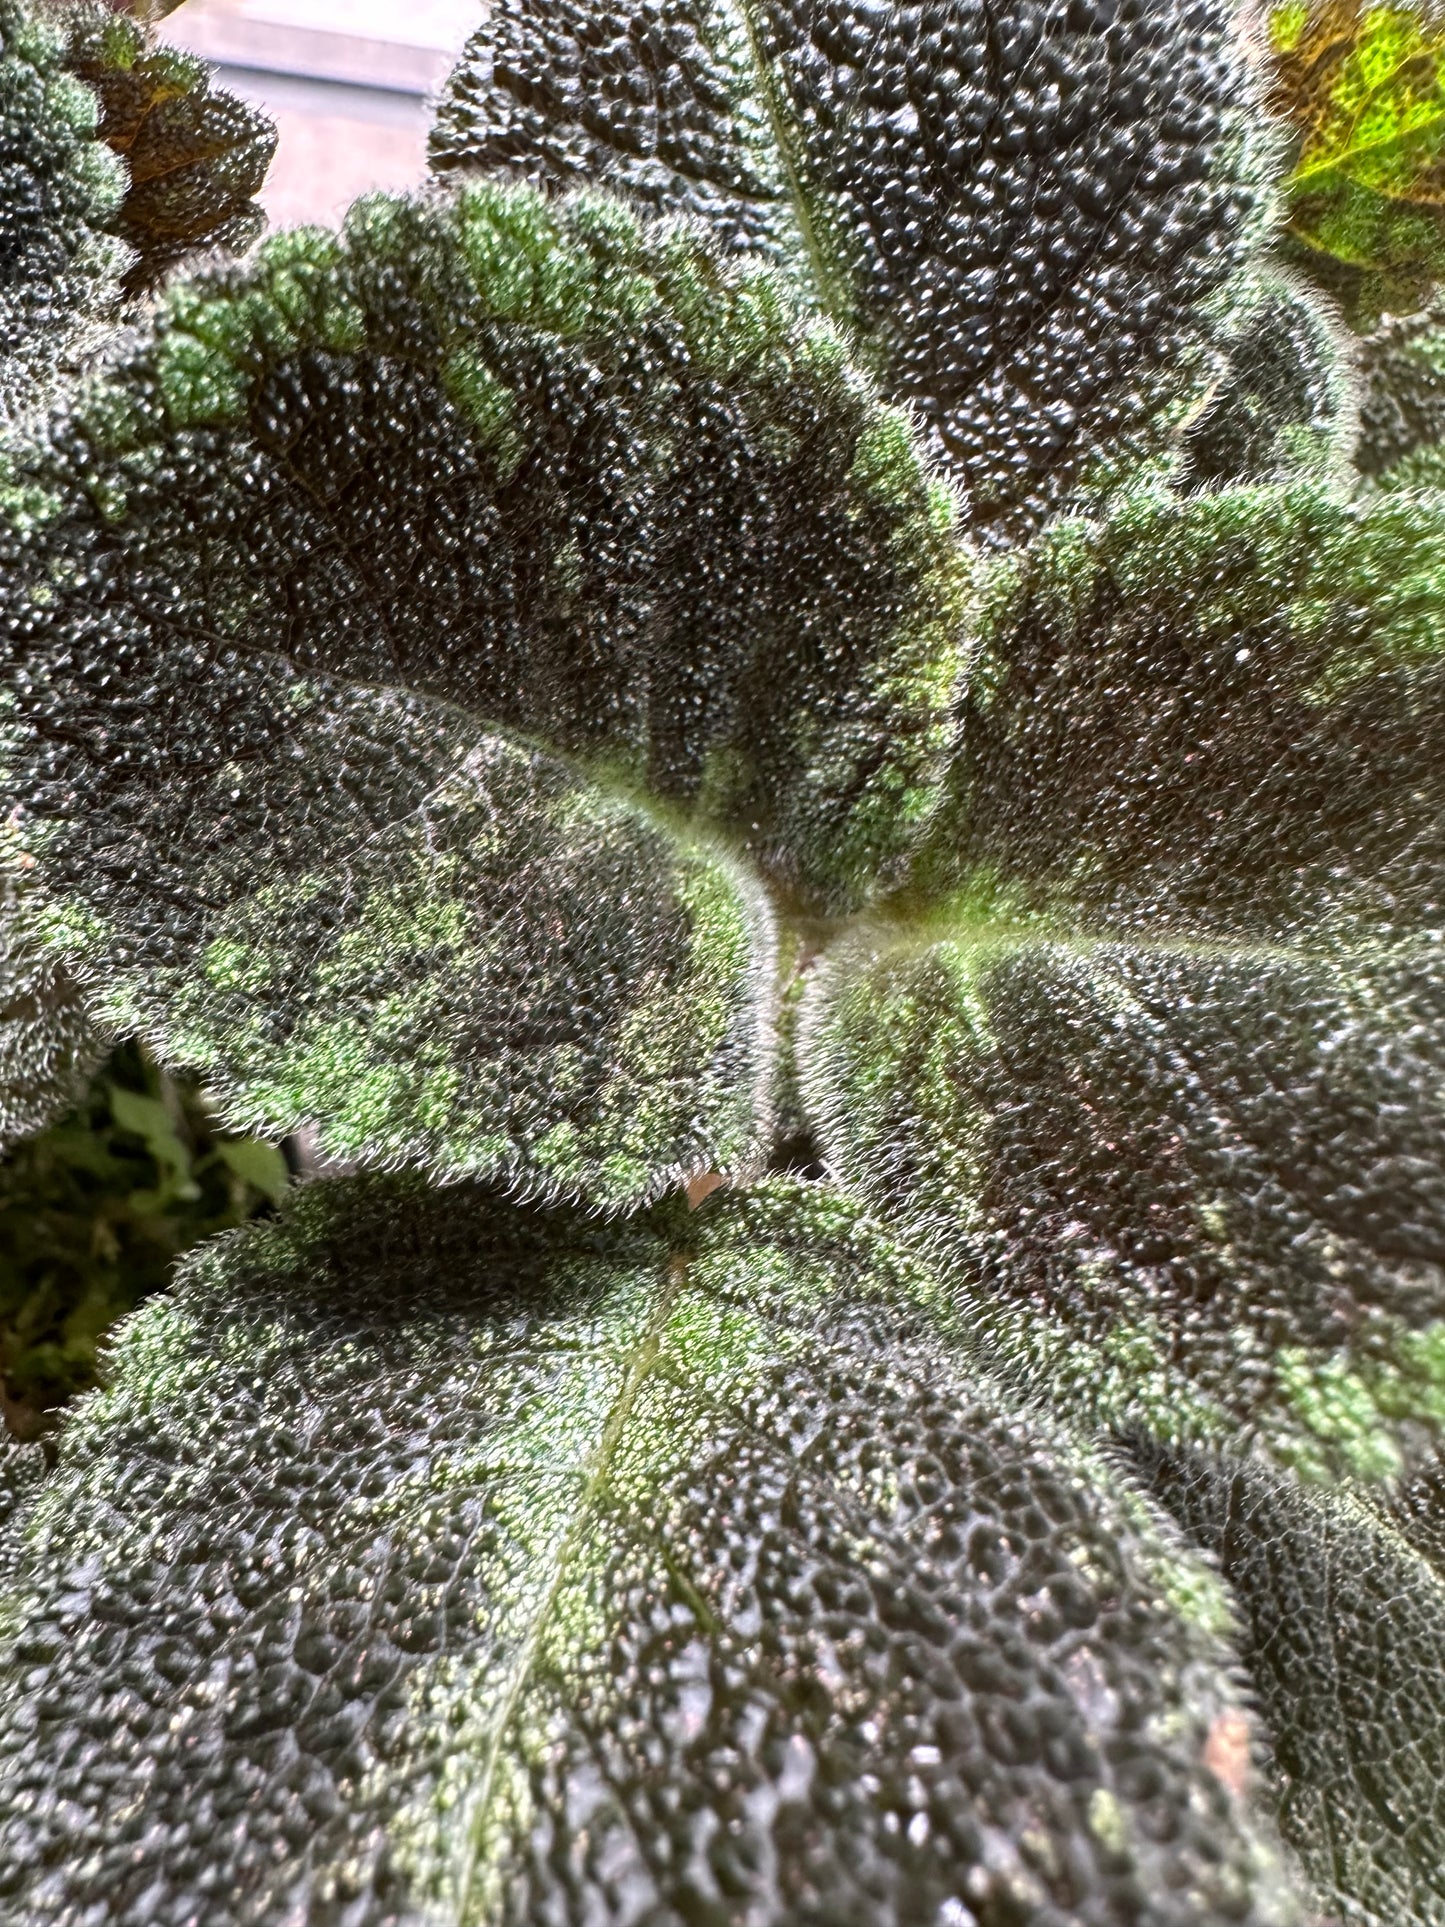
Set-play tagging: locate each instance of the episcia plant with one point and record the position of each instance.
(799, 715)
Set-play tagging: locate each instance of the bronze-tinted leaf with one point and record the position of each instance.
(1363, 87)
(196, 155)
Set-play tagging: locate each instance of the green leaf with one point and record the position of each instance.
(1402, 401)
(95, 1210)
(1193, 1191)
(257, 1164)
(475, 467)
(1343, 1602)
(525, 978)
(1157, 1081)
(1286, 405)
(1023, 216)
(22, 1467)
(48, 1046)
(1174, 722)
(1363, 88)
(431, 1556)
(59, 263)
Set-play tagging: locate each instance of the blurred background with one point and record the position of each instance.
(346, 81)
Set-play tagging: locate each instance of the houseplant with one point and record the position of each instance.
(795, 713)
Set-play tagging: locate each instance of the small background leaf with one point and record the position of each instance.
(1364, 88)
(94, 1213)
(196, 156)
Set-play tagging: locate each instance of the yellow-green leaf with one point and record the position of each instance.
(1362, 86)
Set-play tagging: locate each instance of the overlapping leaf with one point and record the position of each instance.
(1161, 1077)
(195, 156)
(275, 584)
(59, 191)
(430, 1556)
(48, 1045)
(117, 159)
(1286, 405)
(1343, 1602)
(1024, 212)
(1402, 401)
(1361, 85)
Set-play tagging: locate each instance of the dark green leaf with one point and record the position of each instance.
(1285, 406)
(1217, 719)
(1343, 1603)
(433, 1557)
(1024, 213)
(48, 1046)
(94, 1212)
(1159, 1077)
(563, 478)
(1402, 401)
(59, 191)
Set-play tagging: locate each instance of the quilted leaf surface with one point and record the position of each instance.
(1023, 213)
(435, 1559)
(1160, 1076)
(59, 190)
(195, 155)
(1343, 1601)
(285, 573)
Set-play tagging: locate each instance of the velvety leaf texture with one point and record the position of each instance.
(22, 1469)
(825, 601)
(47, 1043)
(1343, 1601)
(1286, 406)
(518, 1569)
(195, 156)
(1402, 401)
(1160, 1076)
(59, 190)
(1024, 211)
(480, 466)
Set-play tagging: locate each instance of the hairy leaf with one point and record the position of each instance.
(1217, 718)
(1190, 1190)
(22, 1468)
(477, 466)
(1343, 1602)
(1363, 87)
(435, 1557)
(195, 156)
(1159, 1078)
(1285, 406)
(48, 1045)
(1402, 401)
(59, 191)
(1023, 212)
